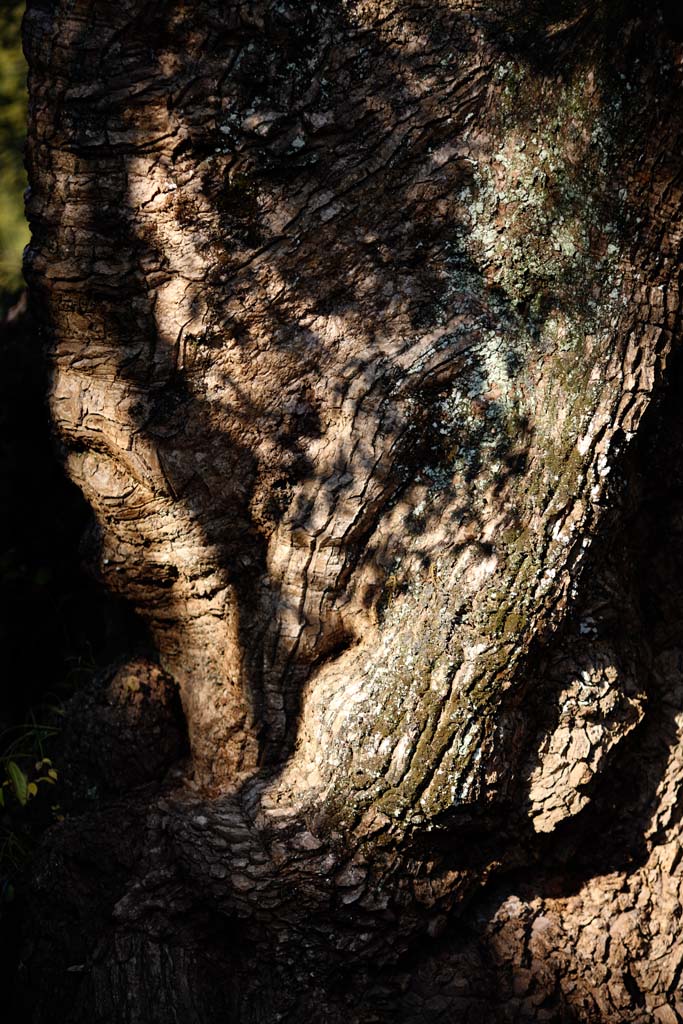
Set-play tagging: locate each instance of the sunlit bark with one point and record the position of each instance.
(360, 316)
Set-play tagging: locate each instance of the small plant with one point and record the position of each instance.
(27, 778)
(22, 785)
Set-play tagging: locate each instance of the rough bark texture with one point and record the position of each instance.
(361, 319)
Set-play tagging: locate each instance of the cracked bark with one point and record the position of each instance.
(362, 318)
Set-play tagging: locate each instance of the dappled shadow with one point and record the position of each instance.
(279, 115)
(293, 305)
(368, 267)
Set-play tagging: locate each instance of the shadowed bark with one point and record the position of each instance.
(362, 321)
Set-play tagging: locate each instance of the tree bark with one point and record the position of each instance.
(362, 320)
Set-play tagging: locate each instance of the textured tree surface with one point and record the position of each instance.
(362, 320)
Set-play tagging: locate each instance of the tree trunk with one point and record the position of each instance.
(362, 316)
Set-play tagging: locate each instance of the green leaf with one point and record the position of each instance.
(19, 782)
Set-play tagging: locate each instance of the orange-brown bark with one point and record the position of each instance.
(356, 312)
